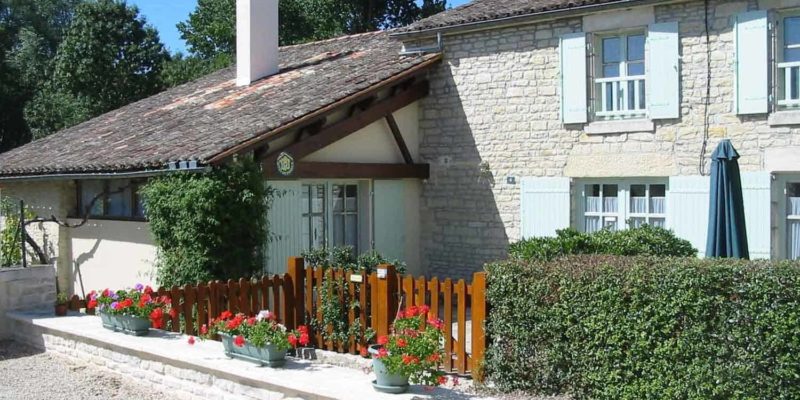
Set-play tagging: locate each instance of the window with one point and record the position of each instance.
(314, 216)
(116, 198)
(620, 88)
(345, 216)
(793, 220)
(789, 63)
(615, 206)
(330, 215)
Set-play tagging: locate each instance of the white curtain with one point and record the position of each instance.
(659, 222)
(794, 206)
(610, 204)
(593, 224)
(593, 204)
(794, 239)
(658, 205)
(639, 205)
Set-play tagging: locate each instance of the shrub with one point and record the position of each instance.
(643, 241)
(208, 225)
(606, 327)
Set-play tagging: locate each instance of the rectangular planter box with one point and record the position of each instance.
(126, 324)
(268, 355)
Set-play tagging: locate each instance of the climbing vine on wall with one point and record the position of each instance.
(208, 225)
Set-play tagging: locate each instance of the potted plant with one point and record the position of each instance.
(410, 354)
(131, 311)
(260, 339)
(61, 304)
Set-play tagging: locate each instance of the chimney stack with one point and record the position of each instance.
(256, 40)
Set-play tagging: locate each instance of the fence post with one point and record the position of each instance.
(478, 324)
(386, 296)
(297, 270)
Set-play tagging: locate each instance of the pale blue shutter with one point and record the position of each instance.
(756, 190)
(390, 221)
(544, 205)
(751, 40)
(687, 209)
(285, 218)
(663, 71)
(573, 78)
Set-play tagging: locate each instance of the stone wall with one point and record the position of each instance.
(25, 289)
(493, 114)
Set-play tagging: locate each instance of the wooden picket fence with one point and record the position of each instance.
(376, 297)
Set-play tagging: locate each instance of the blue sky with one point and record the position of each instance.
(165, 14)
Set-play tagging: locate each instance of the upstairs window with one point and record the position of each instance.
(620, 88)
(116, 199)
(789, 63)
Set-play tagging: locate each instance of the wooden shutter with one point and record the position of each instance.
(544, 205)
(687, 209)
(390, 221)
(756, 190)
(752, 64)
(285, 218)
(663, 71)
(573, 78)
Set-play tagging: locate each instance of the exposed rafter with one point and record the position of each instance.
(398, 137)
(337, 170)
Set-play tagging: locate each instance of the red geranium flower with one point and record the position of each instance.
(173, 312)
(364, 352)
(412, 311)
(304, 339)
(204, 329)
(292, 339)
(226, 315)
(407, 359)
(401, 314)
(401, 342)
(423, 310)
(435, 357)
(251, 321)
(383, 339)
(238, 341)
(157, 318)
(191, 340)
(91, 304)
(435, 322)
(148, 290)
(441, 380)
(382, 352)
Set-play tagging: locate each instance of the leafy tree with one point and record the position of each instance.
(109, 57)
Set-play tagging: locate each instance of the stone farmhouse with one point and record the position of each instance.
(442, 142)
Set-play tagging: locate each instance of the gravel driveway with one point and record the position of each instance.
(26, 373)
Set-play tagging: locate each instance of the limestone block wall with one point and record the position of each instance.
(492, 117)
(25, 289)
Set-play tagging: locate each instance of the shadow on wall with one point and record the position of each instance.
(461, 224)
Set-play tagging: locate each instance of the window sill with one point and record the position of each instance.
(619, 126)
(109, 218)
(783, 118)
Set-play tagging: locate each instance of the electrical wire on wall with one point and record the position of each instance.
(707, 102)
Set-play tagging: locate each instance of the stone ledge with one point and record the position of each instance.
(784, 118)
(199, 370)
(619, 126)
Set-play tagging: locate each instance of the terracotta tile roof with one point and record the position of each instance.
(487, 10)
(204, 118)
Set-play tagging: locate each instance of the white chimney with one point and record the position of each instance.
(256, 40)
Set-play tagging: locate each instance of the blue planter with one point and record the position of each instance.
(386, 382)
(126, 324)
(269, 355)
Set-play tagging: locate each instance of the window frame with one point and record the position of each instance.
(780, 198)
(598, 81)
(779, 85)
(135, 184)
(329, 213)
(623, 213)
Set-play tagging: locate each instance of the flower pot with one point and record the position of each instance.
(61, 310)
(269, 355)
(108, 320)
(386, 382)
(126, 324)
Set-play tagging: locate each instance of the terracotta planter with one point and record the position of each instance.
(126, 324)
(269, 355)
(386, 382)
(61, 310)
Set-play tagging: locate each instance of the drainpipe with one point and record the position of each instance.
(175, 166)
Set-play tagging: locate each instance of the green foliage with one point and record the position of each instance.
(181, 69)
(644, 241)
(335, 306)
(109, 57)
(604, 327)
(208, 225)
(343, 257)
(10, 248)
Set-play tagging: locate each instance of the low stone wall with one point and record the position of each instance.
(25, 289)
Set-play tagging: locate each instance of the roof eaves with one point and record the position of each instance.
(520, 19)
(258, 139)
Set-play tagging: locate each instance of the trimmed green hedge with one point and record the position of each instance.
(605, 327)
(643, 241)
